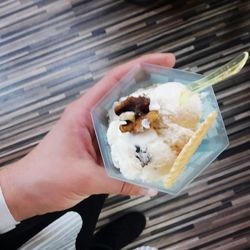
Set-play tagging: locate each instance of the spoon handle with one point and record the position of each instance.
(220, 74)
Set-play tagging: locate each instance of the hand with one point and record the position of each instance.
(66, 166)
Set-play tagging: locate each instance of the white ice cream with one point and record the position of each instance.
(149, 155)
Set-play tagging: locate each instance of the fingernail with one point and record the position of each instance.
(149, 192)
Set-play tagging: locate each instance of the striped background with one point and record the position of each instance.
(51, 50)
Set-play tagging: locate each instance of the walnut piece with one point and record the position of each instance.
(136, 126)
(138, 105)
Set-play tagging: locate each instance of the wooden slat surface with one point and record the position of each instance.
(50, 51)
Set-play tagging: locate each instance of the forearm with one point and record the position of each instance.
(15, 192)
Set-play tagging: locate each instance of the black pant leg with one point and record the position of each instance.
(90, 213)
(13, 239)
(88, 209)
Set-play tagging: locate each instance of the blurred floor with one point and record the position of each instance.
(50, 51)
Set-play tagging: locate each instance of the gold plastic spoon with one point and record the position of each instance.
(229, 69)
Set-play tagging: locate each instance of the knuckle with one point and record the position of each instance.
(126, 188)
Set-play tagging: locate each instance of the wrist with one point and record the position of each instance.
(15, 192)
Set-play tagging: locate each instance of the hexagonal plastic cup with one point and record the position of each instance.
(142, 76)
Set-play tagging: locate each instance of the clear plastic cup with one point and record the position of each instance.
(142, 76)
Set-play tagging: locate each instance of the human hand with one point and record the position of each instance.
(66, 166)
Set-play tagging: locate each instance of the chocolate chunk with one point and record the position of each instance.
(138, 105)
(137, 149)
(142, 155)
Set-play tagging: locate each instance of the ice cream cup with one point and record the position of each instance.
(142, 76)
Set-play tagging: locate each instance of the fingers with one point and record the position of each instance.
(129, 189)
(88, 100)
(163, 59)
(101, 183)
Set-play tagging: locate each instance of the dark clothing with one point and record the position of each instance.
(89, 209)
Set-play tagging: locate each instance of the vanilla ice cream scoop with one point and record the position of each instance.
(148, 129)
